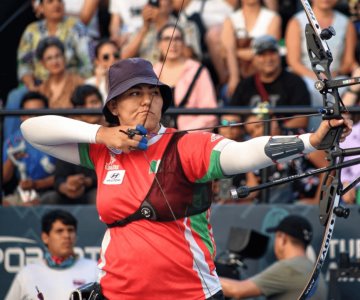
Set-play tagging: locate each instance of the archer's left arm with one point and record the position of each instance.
(264, 151)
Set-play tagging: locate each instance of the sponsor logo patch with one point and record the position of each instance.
(111, 164)
(215, 137)
(114, 177)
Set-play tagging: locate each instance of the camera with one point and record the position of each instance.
(154, 3)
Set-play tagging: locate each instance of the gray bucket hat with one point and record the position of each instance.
(127, 73)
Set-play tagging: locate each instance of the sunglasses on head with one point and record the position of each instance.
(106, 56)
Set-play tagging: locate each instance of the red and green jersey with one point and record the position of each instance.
(154, 260)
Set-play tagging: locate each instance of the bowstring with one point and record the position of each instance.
(243, 123)
(165, 56)
(147, 159)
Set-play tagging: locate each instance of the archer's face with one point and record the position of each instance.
(60, 240)
(140, 103)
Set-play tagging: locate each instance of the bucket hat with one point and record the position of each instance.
(127, 73)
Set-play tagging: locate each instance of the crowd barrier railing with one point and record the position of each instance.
(242, 111)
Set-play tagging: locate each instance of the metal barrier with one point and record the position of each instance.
(242, 111)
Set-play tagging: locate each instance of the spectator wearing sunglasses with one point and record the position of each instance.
(107, 52)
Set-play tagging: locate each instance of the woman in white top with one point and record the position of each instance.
(126, 19)
(342, 45)
(251, 20)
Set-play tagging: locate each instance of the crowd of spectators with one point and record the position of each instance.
(222, 53)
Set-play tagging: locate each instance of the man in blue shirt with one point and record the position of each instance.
(31, 168)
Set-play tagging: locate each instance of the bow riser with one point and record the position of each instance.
(320, 57)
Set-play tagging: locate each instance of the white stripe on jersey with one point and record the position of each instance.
(210, 283)
(105, 243)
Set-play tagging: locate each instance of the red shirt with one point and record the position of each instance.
(153, 260)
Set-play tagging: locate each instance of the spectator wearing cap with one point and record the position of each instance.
(248, 22)
(274, 86)
(271, 84)
(286, 278)
(342, 47)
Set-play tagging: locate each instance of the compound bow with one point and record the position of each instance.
(329, 208)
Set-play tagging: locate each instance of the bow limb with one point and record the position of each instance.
(329, 207)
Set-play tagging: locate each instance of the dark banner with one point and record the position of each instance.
(20, 241)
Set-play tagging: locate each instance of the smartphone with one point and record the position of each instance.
(154, 3)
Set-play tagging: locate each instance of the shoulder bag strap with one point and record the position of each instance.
(188, 93)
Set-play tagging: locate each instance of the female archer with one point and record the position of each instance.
(154, 184)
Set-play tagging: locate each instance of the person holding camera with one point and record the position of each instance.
(286, 278)
(143, 42)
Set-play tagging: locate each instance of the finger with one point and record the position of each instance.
(142, 130)
(142, 146)
(335, 122)
(134, 145)
(137, 138)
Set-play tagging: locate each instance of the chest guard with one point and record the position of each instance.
(183, 197)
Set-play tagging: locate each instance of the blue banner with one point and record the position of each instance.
(20, 236)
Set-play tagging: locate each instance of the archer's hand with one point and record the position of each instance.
(317, 137)
(116, 137)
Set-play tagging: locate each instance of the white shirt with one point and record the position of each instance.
(54, 284)
(74, 7)
(214, 11)
(130, 13)
(102, 87)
